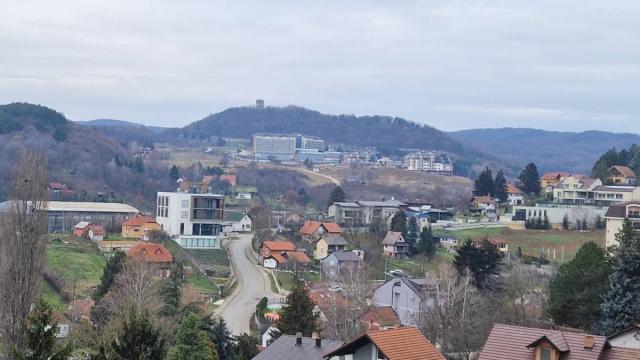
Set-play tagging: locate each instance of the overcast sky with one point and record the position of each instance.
(561, 65)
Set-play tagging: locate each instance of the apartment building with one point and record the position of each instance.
(274, 147)
(574, 190)
(310, 142)
(428, 161)
(615, 217)
(194, 220)
(364, 213)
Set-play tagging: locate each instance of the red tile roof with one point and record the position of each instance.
(311, 226)
(508, 342)
(285, 256)
(138, 220)
(232, 179)
(483, 199)
(383, 316)
(623, 170)
(57, 186)
(279, 245)
(512, 189)
(396, 344)
(154, 253)
(554, 175)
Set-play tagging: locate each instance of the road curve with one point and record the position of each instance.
(253, 284)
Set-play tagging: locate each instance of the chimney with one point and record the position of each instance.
(318, 339)
(588, 342)
(298, 338)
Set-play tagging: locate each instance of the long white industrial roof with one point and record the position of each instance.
(77, 206)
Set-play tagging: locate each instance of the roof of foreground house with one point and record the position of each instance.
(383, 315)
(396, 344)
(285, 348)
(311, 226)
(507, 342)
(138, 220)
(153, 253)
(392, 237)
(279, 245)
(623, 170)
(332, 239)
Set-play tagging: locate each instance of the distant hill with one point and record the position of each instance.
(385, 133)
(124, 131)
(79, 156)
(550, 150)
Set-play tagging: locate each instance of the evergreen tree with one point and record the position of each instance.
(219, 333)
(337, 195)
(138, 338)
(500, 184)
(41, 337)
(171, 291)
(599, 223)
(174, 173)
(565, 222)
(246, 347)
(303, 198)
(427, 245)
(484, 184)
(576, 291)
(621, 308)
(113, 268)
(191, 342)
(412, 233)
(483, 262)
(584, 224)
(138, 164)
(529, 180)
(399, 223)
(546, 225)
(298, 315)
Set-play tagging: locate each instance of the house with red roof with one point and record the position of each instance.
(273, 246)
(507, 342)
(313, 230)
(155, 254)
(621, 175)
(406, 343)
(287, 260)
(139, 226)
(231, 179)
(515, 196)
(379, 318)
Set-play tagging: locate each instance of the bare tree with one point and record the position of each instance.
(23, 229)
(454, 320)
(348, 305)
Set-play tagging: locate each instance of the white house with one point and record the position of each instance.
(194, 220)
(515, 196)
(237, 221)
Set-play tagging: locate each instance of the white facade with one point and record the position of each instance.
(429, 161)
(194, 220)
(270, 263)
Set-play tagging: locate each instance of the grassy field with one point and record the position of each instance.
(532, 241)
(52, 298)
(219, 259)
(199, 280)
(286, 279)
(75, 260)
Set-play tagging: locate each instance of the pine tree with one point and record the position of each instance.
(621, 308)
(500, 184)
(246, 347)
(138, 338)
(298, 315)
(399, 223)
(41, 337)
(565, 222)
(576, 291)
(191, 342)
(174, 173)
(483, 262)
(484, 184)
(303, 198)
(426, 245)
(219, 333)
(412, 233)
(171, 291)
(337, 195)
(529, 180)
(113, 268)
(546, 225)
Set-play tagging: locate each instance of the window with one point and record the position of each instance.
(185, 203)
(184, 214)
(380, 354)
(546, 353)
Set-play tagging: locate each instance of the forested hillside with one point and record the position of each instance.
(550, 150)
(380, 131)
(78, 156)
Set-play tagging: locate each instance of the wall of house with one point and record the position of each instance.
(613, 226)
(270, 263)
(367, 352)
(404, 301)
(139, 232)
(556, 213)
(322, 250)
(628, 340)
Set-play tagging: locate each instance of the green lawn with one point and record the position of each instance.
(198, 280)
(218, 258)
(52, 298)
(77, 260)
(286, 279)
(533, 241)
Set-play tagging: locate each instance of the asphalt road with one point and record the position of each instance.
(253, 284)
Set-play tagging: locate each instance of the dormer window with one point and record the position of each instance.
(546, 353)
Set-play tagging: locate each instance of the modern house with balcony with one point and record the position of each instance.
(364, 213)
(573, 190)
(194, 220)
(615, 217)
